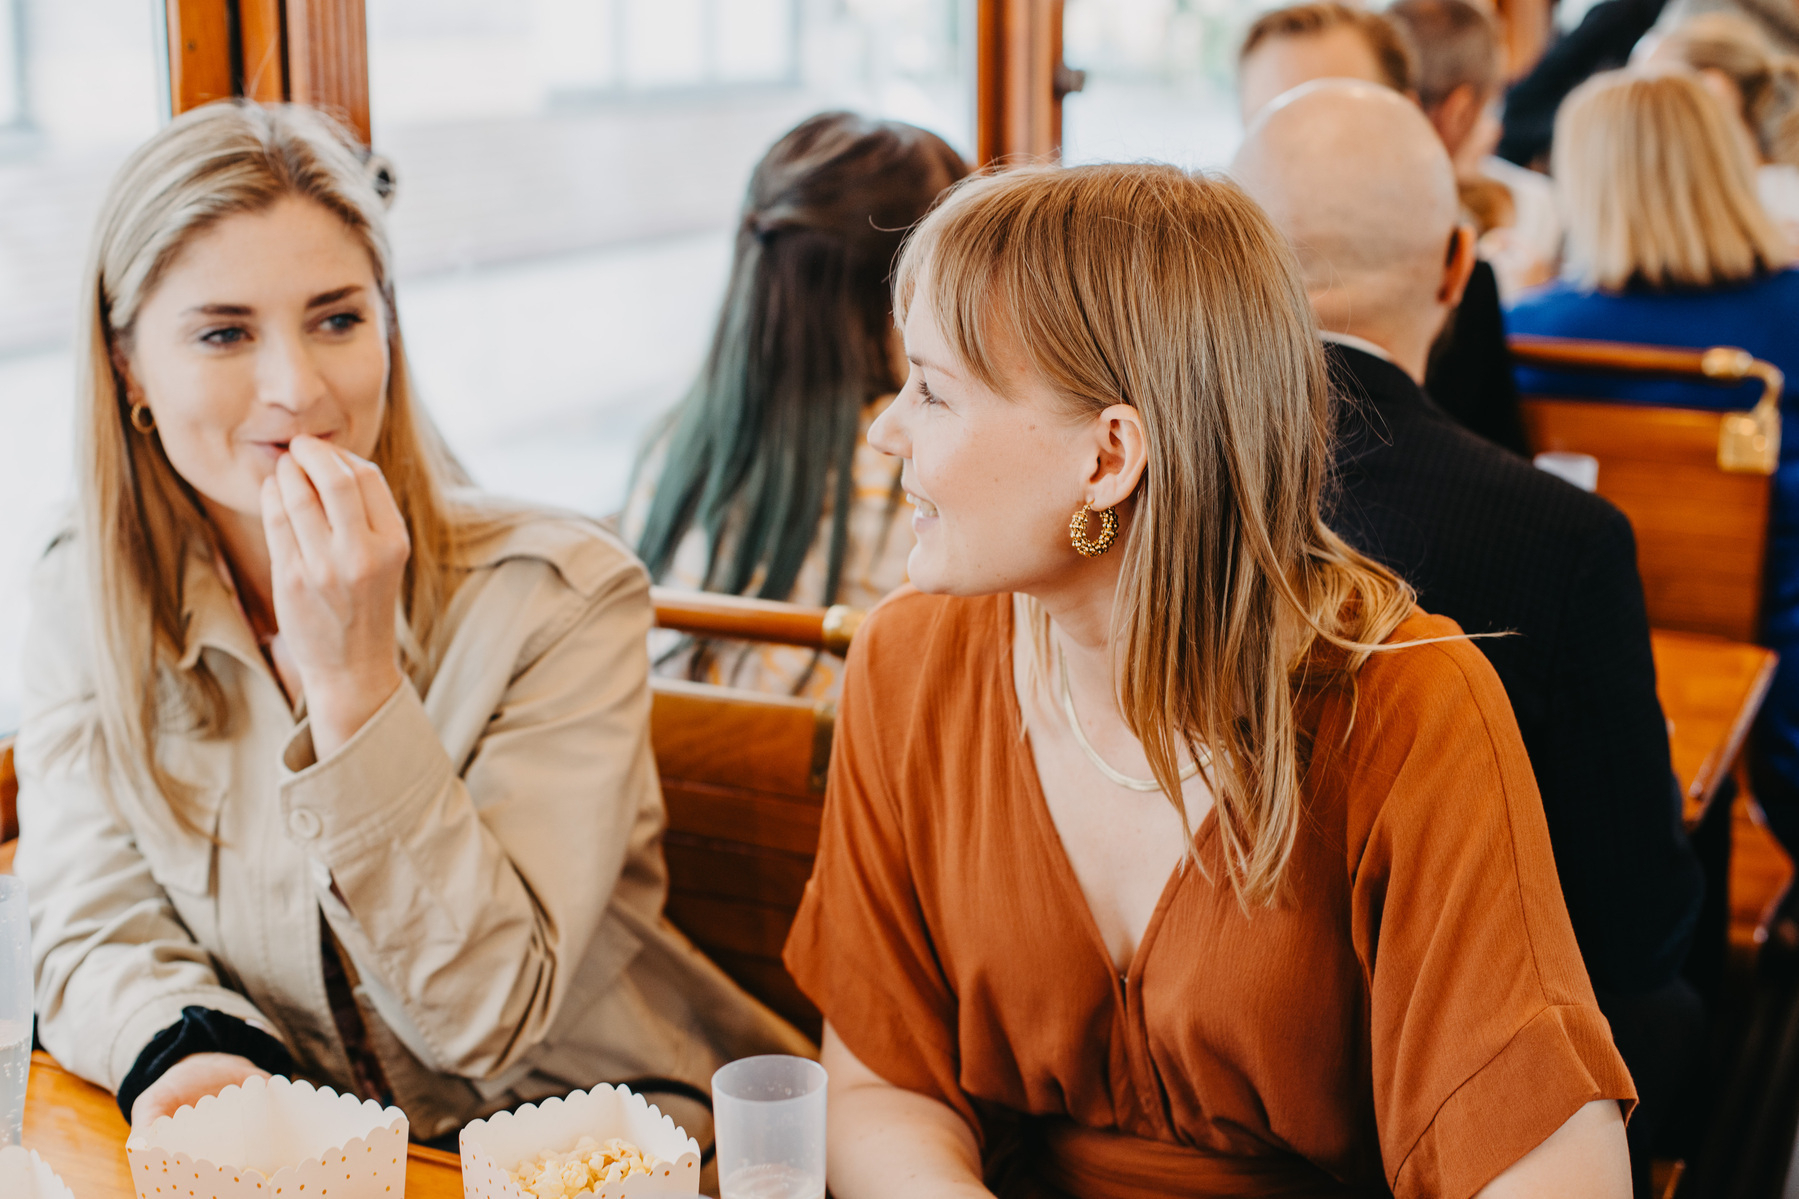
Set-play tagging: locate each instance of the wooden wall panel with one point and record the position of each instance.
(328, 59)
(199, 53)
(264, 41)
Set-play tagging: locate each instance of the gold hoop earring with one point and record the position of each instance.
(1077, 532)
(142, 419)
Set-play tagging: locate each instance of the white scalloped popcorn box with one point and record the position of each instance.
(493, 1147)
(272, 1139)
(25, 1175)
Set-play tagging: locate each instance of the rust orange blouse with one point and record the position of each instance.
(1415, 1016)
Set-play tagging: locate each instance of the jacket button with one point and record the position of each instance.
(304, 824)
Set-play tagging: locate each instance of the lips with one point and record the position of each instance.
(925, 507)
(280, 445)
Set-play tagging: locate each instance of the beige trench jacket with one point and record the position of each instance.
(488, 853)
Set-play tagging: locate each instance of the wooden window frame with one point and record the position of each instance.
(316, 52)
(308, 51)
(1020, 81)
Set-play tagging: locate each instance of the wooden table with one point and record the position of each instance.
(1710, 690)
(77, 1128)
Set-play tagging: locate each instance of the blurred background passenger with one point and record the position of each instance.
(1353, 177)
(762, 481)
(329, 765)
(1471, 368)
(1760, 86)
(1777, 21)
(1460, 72)
(1667, 244)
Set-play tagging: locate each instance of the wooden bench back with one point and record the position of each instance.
(743, 775)
(1694, 483)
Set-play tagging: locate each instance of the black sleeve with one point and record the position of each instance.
(1470, 375)
(201, 1030)
(1602, 40)
(1632, 881)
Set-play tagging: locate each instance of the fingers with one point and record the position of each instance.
(333, 479)
(189, 1081)
(278, 531)
(378, 500)
(305, 513)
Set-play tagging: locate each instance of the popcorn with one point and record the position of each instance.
(588, 1165)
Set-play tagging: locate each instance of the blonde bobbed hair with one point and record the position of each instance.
(1657, 187)
(1144, 285)
(138, 522)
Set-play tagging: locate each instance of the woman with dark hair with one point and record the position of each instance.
(762, 482)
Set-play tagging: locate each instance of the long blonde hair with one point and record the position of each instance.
(1144, 285)
(1657, 187)
(138, 521)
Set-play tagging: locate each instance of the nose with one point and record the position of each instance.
(888, 433)
(287, 375)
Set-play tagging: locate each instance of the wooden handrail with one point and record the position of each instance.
(708, 614)
(1748, 442)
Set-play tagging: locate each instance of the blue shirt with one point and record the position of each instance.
(1762, 317)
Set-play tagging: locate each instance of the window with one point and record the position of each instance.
(570, 173)
(78, 91)
(1160, 79)
(12, 63)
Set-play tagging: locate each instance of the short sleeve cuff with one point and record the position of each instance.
(1560, 1061)
(352, 798)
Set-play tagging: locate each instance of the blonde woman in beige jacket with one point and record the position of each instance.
(327, 767)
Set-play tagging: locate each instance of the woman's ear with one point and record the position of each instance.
(1122, 454)
(121, 369)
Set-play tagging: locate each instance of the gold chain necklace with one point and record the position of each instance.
(1099, 763)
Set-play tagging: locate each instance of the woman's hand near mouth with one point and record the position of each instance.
(337, 552)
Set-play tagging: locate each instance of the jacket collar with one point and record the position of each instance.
(212, 616)
(1375, 380)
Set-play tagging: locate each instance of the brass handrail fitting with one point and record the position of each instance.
(1748, 442)
(839, 628)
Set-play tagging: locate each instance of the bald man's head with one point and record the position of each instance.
(1358, 180)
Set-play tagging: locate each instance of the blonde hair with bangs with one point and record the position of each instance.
(1657, 187)
(138, 521)
(1144, 285)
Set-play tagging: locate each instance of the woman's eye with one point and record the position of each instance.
(341, 322)
(924, 394)
(228, 336)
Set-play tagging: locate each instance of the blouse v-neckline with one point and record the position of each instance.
(1018, 736)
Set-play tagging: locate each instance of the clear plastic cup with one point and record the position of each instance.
(15, 1008)
(768, 1114)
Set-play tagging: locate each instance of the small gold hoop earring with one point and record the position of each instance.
(1093, 547)
(142, 419)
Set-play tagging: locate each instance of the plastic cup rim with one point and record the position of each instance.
(815, 1075)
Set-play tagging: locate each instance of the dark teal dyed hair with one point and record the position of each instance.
(771, 424)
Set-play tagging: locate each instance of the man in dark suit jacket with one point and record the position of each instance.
(1355, 178)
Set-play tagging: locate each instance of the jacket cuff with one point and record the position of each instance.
(200, 1030)
(352, 799)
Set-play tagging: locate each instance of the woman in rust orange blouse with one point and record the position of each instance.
(1170, 850)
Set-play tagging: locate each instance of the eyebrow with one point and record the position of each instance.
(318, 301)
(915, 360)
